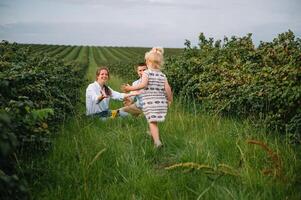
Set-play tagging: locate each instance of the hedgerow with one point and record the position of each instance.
(236, 78)
(37, 94)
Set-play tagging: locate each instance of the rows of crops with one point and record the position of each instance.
(103, 55)
(120, 60)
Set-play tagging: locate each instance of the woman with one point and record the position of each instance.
(98, 96)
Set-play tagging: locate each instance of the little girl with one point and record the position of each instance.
(157, 92)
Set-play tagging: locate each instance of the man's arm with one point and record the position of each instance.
(128, 101)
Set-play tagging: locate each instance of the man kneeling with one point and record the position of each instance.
(133, 104)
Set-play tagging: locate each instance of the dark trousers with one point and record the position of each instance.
(106, 113)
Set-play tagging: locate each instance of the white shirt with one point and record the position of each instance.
(138, 98)
(93, 105)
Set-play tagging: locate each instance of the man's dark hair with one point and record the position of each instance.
(141, 64)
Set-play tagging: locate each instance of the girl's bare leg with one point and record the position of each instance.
(154, 130)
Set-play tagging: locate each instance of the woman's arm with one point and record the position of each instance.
(120, 96)
(134, 93)
(168, 92)
(117, 95)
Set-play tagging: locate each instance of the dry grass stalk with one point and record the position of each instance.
(226, 169)
(275, 158)
(189, 165)
(222, 169)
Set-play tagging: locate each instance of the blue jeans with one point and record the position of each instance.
(108, 113)
(103, 114)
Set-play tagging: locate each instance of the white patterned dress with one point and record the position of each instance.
(154, 99)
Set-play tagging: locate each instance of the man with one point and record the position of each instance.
(133, 105)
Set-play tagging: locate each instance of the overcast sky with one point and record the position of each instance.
(148, 23)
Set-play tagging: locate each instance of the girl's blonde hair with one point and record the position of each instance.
(155, 56)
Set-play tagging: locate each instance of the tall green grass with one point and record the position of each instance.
(115, 159)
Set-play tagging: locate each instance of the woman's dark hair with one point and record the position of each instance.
(107, 90)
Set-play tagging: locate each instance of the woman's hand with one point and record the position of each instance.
(100, 98)
(102, 95)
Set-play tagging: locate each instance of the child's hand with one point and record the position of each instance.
(126, 88)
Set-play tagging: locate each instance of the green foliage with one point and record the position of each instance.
(8, 141)
(126, 70)
(37, 93)
(235, 78)
(42, 114)
(11, 187)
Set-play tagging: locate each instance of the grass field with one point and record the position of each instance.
(204, 157)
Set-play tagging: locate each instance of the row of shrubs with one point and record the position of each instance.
(233, 77)
(37, 94)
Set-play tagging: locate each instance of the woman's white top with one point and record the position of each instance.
(93, 105)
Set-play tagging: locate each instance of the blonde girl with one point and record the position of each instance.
(157, 92)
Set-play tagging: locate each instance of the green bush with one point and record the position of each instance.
(37, 94)
(236, 78)
(126, 70)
